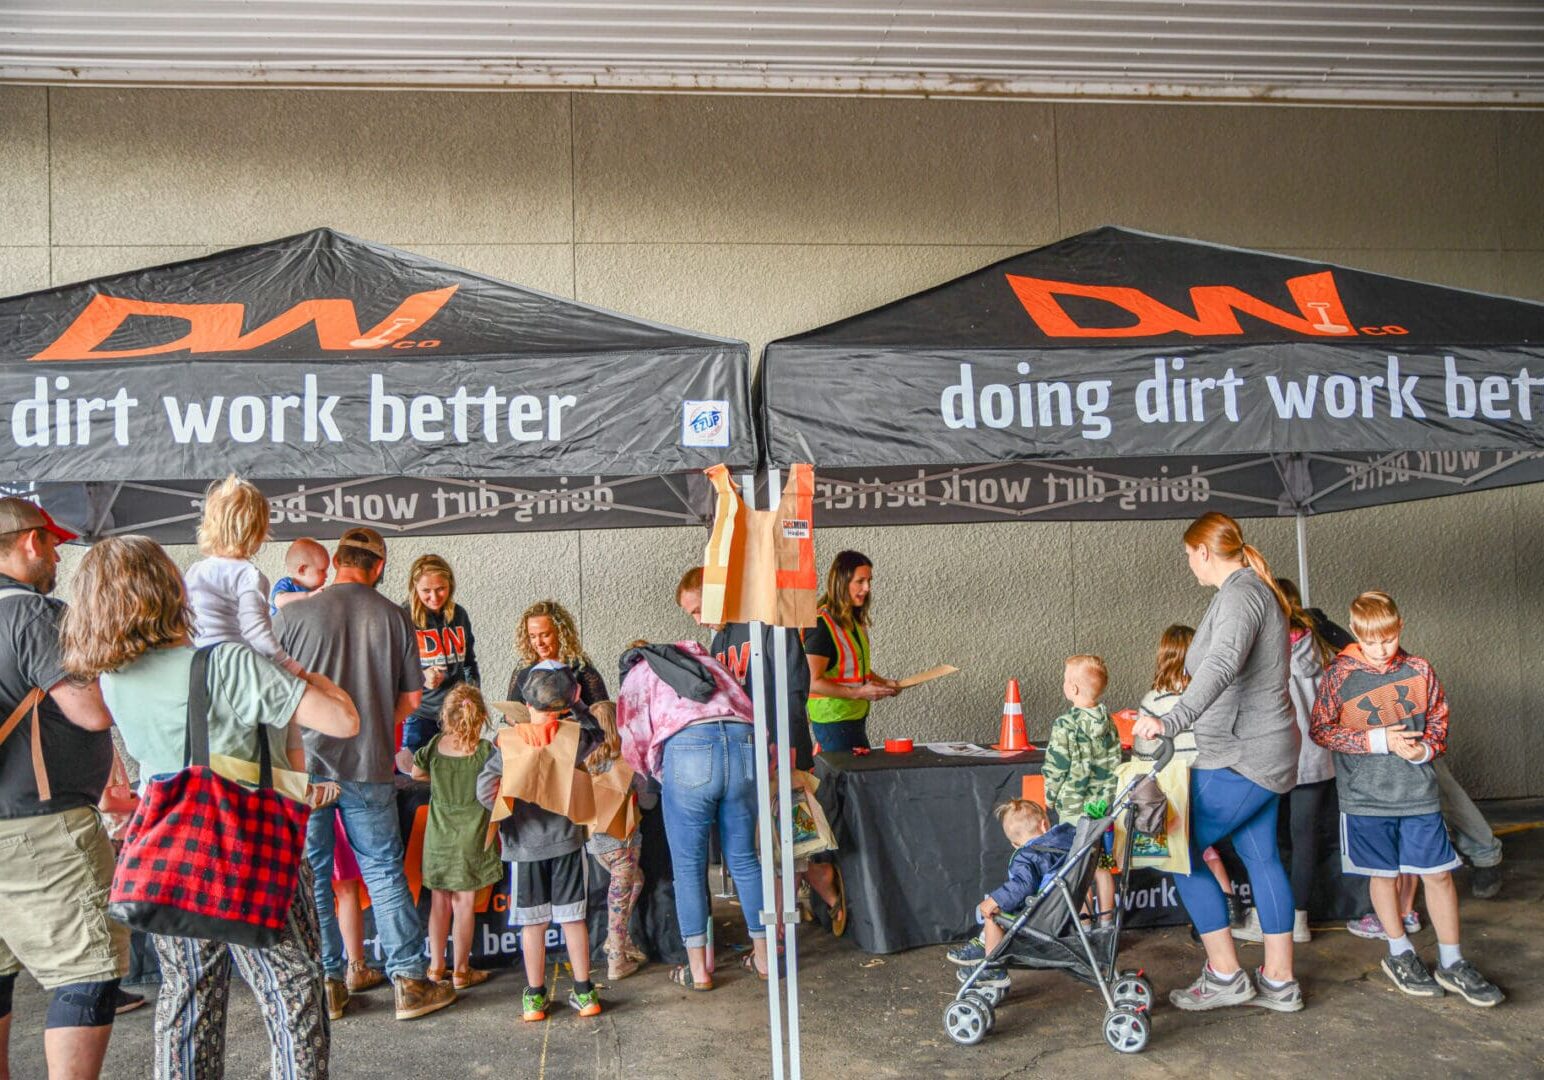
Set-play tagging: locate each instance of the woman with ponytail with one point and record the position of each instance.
(1247, 740)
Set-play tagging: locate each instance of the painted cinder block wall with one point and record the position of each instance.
(757, 217)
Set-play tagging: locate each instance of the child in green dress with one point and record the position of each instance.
(457, 860)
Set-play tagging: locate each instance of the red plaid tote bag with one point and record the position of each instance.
(204, 856)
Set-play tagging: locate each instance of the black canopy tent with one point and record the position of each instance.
(1122, 375)
(359, 384)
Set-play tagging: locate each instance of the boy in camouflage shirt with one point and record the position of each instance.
(1081, 760)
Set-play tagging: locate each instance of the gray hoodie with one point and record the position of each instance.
(1237, 701)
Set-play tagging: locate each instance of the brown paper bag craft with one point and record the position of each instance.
(547, 777)
(760, 564)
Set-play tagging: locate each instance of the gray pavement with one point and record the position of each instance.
(881, 1016)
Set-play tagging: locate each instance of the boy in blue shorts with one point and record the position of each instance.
(1383, 713)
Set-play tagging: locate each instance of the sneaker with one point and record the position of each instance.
(420, 997)
(1412, 922)
(533, 1004)
(585, 1004)
(1368, 927)
(125, 1002)
(337, 998)
(362, 977)
(1248, 928)
(1469, 984)
(1408, 973)
(972, 952)
(994, 974)
(1212, 992)
(1486, 882)
(1300, 934)
(1286, 998)
(620, 967)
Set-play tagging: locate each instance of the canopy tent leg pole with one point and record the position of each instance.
(788, 910)
(764, 826)
(1302, 558)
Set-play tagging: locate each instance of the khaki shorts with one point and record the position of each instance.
(53, 900)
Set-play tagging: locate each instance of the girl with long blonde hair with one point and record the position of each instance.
(447, 649)
(1246, 759)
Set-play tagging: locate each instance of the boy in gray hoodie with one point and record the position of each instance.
(547, 849)
(1384, 714)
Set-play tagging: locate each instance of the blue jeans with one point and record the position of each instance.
(710, 777)
(370, 819)
(1224, 804)
(417, 731)
(842, 736)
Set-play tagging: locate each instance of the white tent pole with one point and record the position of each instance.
(1302, 557)
(764, 824)
(789, 908)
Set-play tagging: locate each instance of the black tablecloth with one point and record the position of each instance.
(918, 847)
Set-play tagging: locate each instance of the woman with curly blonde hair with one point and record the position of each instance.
(548, 632)
(128, 622)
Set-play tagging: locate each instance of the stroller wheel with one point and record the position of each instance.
(1126, 1029)
(988, 1006)
(1132, 989)
(965, 1020)
(993, 992)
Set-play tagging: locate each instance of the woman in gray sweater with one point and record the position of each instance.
(1238, 706)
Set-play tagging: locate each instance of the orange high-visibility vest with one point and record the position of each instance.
(759, 565)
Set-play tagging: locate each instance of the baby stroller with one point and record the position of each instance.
(1048, 933)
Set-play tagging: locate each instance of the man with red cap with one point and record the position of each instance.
(55, 757)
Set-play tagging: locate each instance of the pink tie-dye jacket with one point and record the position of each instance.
(649, 712)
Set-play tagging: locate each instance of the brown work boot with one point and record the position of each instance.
(337, 998)
(362, 977)
(420, 997)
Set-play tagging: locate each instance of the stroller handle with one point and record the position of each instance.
(1165, 753)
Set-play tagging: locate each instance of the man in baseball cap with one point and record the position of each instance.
(368, 646)
(53, 901)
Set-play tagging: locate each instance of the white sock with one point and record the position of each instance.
(1448, 955)
(1400, 945)
(1272, 983)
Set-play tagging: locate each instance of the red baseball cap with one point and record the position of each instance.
(19, 515)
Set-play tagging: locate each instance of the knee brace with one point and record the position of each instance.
(7, 986)
(83, 1005)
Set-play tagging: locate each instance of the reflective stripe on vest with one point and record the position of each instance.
(850, 664)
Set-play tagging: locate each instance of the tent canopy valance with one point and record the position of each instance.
(361, 384)
(1119, 374)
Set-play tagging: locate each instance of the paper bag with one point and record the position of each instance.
(760, 564)
(811, 832)
(1169, 847)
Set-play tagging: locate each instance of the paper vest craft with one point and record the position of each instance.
(546, 776)
(760, 564)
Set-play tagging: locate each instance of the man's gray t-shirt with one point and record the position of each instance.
(364, 643)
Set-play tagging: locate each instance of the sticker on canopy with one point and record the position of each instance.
(705, 423)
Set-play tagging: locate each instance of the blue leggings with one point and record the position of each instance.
(1224, 804)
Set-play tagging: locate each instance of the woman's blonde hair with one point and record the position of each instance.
(569, 649)
(1169, 675)
(235, 521)
(464, 714)
(837, 599)
(126, 599)
(430, 564)
(1220, 534)
(1300, 619)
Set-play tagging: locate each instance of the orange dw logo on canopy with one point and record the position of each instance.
(219, 328)
(760, 564)
(1320, 311)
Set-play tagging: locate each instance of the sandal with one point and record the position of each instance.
(469, 977)
(681, 975)
(838, 909)
(749, 964)
(437, 975)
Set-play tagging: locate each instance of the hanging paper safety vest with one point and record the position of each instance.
(759, 565)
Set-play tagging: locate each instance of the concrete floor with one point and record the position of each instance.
(881, 1016)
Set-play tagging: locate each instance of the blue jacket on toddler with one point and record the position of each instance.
(1032, 864)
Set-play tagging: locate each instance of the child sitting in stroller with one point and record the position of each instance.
(1038, 851)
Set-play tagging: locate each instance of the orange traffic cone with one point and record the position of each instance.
(1013, 736)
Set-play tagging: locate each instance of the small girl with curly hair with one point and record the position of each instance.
(457, 860)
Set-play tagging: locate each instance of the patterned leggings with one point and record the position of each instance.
(287, 979)
(621, 895)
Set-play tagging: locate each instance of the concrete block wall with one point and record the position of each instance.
(758, 217)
